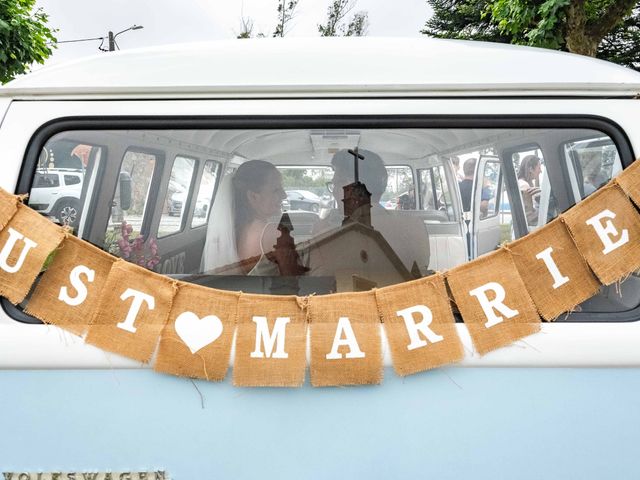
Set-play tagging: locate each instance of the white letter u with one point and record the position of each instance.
(14, 236)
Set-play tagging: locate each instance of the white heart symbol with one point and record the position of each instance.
(198, 332)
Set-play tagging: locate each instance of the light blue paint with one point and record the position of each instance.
(446, 424)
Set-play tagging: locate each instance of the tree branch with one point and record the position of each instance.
(615, 13)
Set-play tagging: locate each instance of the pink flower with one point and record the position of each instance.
(137, 250)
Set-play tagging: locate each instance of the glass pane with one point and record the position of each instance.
(128, 207)
(279, 211)
(205, 193)
(593, 162)
(72, 179)
(400, 191)
(46, 180)
(507, 233)
(435, 195)
(306, 189)
(177, 196)
(56, 191)
(428, 194)
(489, 205)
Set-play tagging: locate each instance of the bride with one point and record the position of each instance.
(240, 235)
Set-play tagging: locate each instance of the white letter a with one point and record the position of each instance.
(349, 340)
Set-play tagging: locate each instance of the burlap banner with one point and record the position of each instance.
(271, 342)
(629, 181)
(25, 243)
(132, 312)
(554, 272)
(493, 301)
(70, 290)
(606, 228)
(498, 295)
(8, 207)
(345, 339)
(419, 324)
(196, 341)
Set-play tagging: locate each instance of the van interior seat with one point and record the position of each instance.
(407, 234)
(302, 222)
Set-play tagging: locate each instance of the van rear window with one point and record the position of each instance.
(300, 211)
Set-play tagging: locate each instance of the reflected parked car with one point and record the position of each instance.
(391, 204)
(202, 207)
(178, 199)
(176, 203)
(304, 200)
(56, 193)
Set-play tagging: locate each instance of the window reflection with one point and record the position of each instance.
(177, 196)
(205, 193)
(334, 210)
(57, 184)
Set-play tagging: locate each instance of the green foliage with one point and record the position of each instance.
(464, 20)
(622, 45)
(541, 23)
(246, 28)
(24, 37)
(358, 25)
(335, 25)
(314, 179)
(286, 12)
(335, 14)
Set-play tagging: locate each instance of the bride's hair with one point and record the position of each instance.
(250, 177)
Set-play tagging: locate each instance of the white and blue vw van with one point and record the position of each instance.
(148, 141)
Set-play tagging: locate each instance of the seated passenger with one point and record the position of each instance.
(406, 235)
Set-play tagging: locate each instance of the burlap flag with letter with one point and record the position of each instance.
(345, 339)
(629, 181)
(606, 228)
(69, 291)
(556, 275)
(493, 301)
(8, 207)
(25, 243)
(271, 342)
(133, 310)
(196, 342)
(419, 325)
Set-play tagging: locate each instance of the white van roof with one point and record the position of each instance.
(303, 67)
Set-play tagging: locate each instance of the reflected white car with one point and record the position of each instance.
(304, 200)
(56, 193)
(178, 200)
